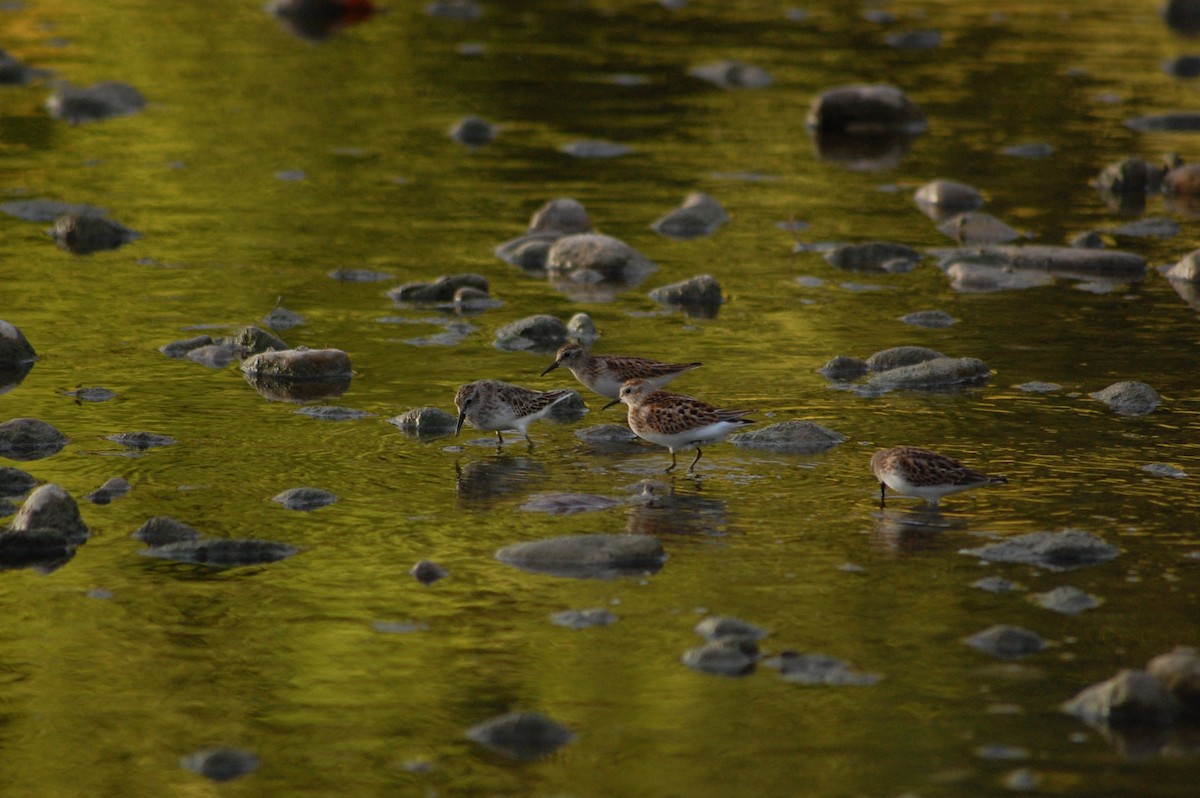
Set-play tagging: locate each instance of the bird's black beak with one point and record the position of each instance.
(550, 368)
(610, 404)
(462, 416)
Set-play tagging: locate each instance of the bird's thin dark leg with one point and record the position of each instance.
(671, 467)
(882, 499)
(699, 452)
(499, 439)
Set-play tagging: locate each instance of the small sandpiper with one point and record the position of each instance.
(925, 474)
(493, 405)
(676, 421)
(605, 374)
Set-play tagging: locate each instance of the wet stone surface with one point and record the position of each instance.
(94, 103)
(304, 498)
(583, 619)
(427, 572)
(1056, 551)
(521, 735)
(1067, 600)
(818, 670)
(595, 556)
(29, 439)
(1006, 642)
(1129, 398)
(221, 764)
(798, 437)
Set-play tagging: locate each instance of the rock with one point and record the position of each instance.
(914, 39)
(316, 20)
(997, 752)
(942, 372)
(874, 256)
(595, 148)
(113, 488)
(1175, 122)
(1067, 600)
(44, 210)
(179, 349)
(1153, 227)
(51, 509)
(1038, 387)
(1069, 262)
(716, 627)
(1129, 398)
(427, 572)
(899, 356)
(442, 289)
(15, 349)
(818, 670)
(1006, 642)
(1034, 149)
(865, 109)
(723, 656)
(1130, 176)
(587, 556)
(1088, 240)
(593, 257)
(931, 319)
(1186, 270)
(730, 74)
(978, 278)
(222, 553)
(537, 333)
(1179, 670)
(140, 440)
(300, 364)
(83, 234)
(281, 318)
(93, 103)
(524, 736)
(699, 216)
(974, 228)
(468, 299)
(793, 437)
(1182, 16)
(14, 73)
(473, 131)
(1022, 780)
(583, 619)
(334, 413)
(162, 530)
(29, 439)
(995, 584)
(608, 435)
(425, 422)
(1164, 470)
(844, 369)
(1055, 551)
(1183, 66)
(358, 276)
(563, 216)
(568, 503)
(304, 498)
(1130, 697)
(15, 482)
(214, 356)
(941, 199)
(91, 394)
(699, 295)
(221, 764)
(581, 328)
(253, 340)
(528, 252)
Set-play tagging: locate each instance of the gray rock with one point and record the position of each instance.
(1153, 227)
(358, 276)
(1179, 670)
(442, 289)
(1130, 697)
(529, 252)
(587, 556)
(179, 349)
(50, 508)
(222, 553)
(1164, 470)
(29, 439)
(1006, 642)
(795, 437)
(976, 278)
(1089, 239)
(595, 148)
(333, 413)
(44, 210)
(1129, 398)
(1183, 66)
(730, 74)
(457, 10)
(1035, 149)
(563, 216)
(1067, 600)
(425, 422)
(900, 356)
(942, 372)
(537, 333)
(113, 488)
(996, 584)
(1069, 262)
(84, 234)
(723, 656)
(251, 340)
(1022, 780)
(524, 736)
(926, 39)
(15, 349)
(699, 216)
(583, 619)
(300, 364)
(931, 319)
(1055, 551)
(221, 764)
(716, 627)
(998, 752)
(95, 394)
(304, 498)
(473, 131)
(568, 503)
(214, 356)
(140, 440)
(593, 257)
(1038, 387)
(843, 368)
(468, 299)
(608, 435)
(15, 482)
(15, 73)
(1179, 121)
(974, 228)
(281, 318)
(941, 199)
(696, 293)
(874, 256)
(427, 572)
(865, 109)
(93, 103)
(819, 670)
(162, 530)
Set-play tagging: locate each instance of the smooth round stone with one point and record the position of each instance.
(583, 619)
(441, 289)
(797, 437)
(1164, 470)
(29, 439)
(113, 488)
(1069, 262)
(304, 498)
(1006, 642)
(702, 291)
(607, 435)
(1089, 240)
(594, 257)
(1130, 176)
(473, 131)
(942, 372)
(161, 530)
(1129, 398)
(358, 276)
(564, 216)
(425, 421)
(594, 556)
(862, 109)
(899, 356)
(456, 10)
(718, 626)
(521, 735)
(300, 364)
(529, 252)
(222, 553)
(1055, 551)
(1132, 696)
(1067, 600)
(700, 215)
(974, 227)
(1179, 670)
(930, 319)
(50, 508)
(15, 349)
(724, 656)
(1184, 66)
(427, 572)
(998, 752)
(874, 256)
(140, 440)
(83, 234)
(221, 764)
(15, 482)
(213, 356)
(93, 103)
(981, 278)
(819, 670)
(1186, 270)
(730, 74)
(1034, 149)
(538, 332)
(843, 368)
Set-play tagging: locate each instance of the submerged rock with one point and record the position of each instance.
(996, 584)
(300, 364)
(113, 488)
(1164, 470)
(941, 199)
(458, 10)
(587, 556)
(541, 332)
(425, 422)
(179, 349)
(1129, 398)
(1155, 227)
(843, 368)
(931, 319)
(609, 435)
(427, 572)
(524, 736)
(1132, 696)
(1071, 262)
(1067, 600)
(281, 318)
(874, 256)
(29, 439)
(978, 278)
(442, 289)
(251, 340)
(359, 276)
(699, 216)
(568, 503)
(333, 413)
(583, 619)
(898, 356)
(1130, 176)
(594, 257)
(1006, 642)
(304, 498)
(473, 131)
(529, 252)
(51, 509)
(1055, 551)
(140, 440)
(723, 656)
(15, 482)
(316, 20)
(819, 670)
(730, 74)
(716, 627)
(862, 109)
(974, 228)
(1177, 122)
(221, 764)
(696, 296)
(595, 148)
(794, 437)
(581, 328)
(942, 372)
(44, 210)
(95, 394)
(15, 349)
(162, 530)
(222, 553)
(84, 234)
(1038, 387)
(93, 103)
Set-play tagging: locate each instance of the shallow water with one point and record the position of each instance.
(104, 693)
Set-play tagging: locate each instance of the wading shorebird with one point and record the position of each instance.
(605, 374)
(495, 406)
(925, 474)
(676, 421)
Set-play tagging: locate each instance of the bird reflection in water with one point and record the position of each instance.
(481, 481)
(911, 531)
(660, 509)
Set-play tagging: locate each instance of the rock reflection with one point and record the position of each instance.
(863, 152)
(904, 532)
(317, 20)
(482, 481)
(276, 389)
(660, 509)
(12, 375)
(1137, 742)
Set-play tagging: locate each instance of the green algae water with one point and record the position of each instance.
(264, 161)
